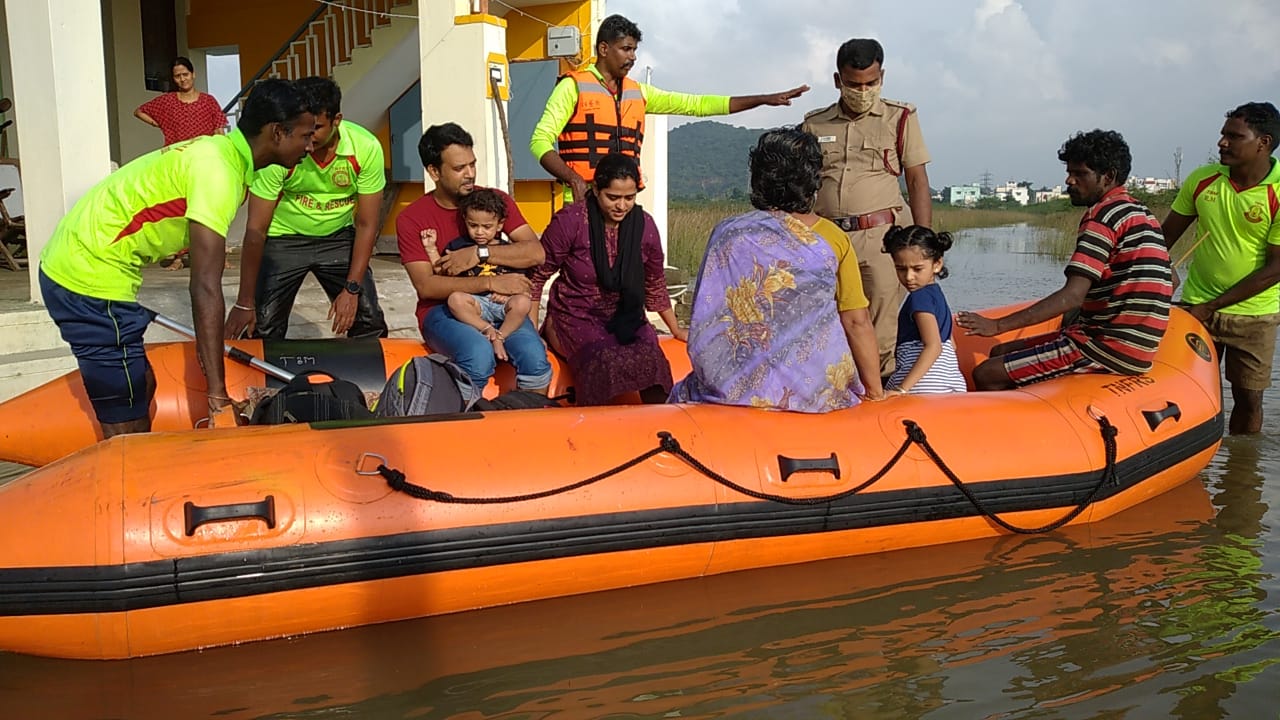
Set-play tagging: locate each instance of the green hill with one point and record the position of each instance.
(708, 160)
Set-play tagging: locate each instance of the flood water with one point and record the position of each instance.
(1168, 610)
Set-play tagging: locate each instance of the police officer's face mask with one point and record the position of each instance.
(860, 100)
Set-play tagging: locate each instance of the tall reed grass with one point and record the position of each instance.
(689, 224)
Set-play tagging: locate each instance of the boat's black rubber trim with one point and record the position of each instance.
(137, 586)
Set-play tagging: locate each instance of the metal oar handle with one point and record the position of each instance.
(234, 353)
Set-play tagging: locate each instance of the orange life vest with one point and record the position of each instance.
(602, 123)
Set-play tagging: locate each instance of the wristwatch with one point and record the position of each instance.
(482, 253)
(352, 287)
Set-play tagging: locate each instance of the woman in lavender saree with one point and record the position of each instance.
(780, 320)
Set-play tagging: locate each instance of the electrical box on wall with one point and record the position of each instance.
(564, 41)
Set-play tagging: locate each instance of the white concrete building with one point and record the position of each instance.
(1151, 184)
(1014, 191)
(1046, 194)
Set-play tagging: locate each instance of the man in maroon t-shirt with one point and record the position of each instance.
(450, 162)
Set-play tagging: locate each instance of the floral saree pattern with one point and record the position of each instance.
(765, 332)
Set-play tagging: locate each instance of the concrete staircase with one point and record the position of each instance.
(348, 41)
(369, 47)
(375, 74)
(34, 352)
(336, 33)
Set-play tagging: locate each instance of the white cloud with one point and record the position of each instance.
(989, 9)
(1011, 56)
(1163, 53)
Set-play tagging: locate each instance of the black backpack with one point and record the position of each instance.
(304, 400)
(516, 400)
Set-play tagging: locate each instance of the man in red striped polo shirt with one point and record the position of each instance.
(1119, 277)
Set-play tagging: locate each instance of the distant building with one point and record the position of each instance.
(1046, 194)
(961, 194)
(1151, 185)
(1016, 192)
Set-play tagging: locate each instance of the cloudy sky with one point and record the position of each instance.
(999, 83)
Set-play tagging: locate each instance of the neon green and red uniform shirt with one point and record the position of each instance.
(140, 213)
(1241, 224)
(315, 200)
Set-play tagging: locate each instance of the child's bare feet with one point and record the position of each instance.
(495, 336)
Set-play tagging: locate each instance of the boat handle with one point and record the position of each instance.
(1155, 417)
(788, 465)
(197, 515)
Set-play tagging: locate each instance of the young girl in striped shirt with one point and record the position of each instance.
(925, 357)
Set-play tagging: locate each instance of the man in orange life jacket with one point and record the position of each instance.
(598, 110)
(1231, 283)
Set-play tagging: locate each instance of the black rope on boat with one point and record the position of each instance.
(1105, 428)
(672, 446)
(397, 481)
(667, 443)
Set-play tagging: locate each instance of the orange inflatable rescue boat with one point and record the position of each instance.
(1016, 599)
(170, 541)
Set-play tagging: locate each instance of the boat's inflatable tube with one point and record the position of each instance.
(1014, 598)
(162, 542)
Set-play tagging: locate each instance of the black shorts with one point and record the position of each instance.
(106, 338)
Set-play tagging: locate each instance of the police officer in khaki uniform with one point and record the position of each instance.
(867, 144)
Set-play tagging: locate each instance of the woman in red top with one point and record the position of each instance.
(182, 115)
(186, 113)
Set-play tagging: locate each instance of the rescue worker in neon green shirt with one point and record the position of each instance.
(588, 126)
(183, 194)
(321, 217)
(1231, 283)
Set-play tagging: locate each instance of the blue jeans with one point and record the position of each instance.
(474, 353)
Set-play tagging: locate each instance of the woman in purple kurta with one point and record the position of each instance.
(597, 323)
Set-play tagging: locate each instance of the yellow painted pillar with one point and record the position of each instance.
(459, 50)
(60, 101)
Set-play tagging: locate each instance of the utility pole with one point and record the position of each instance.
(1177, 166)
(985, 184)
